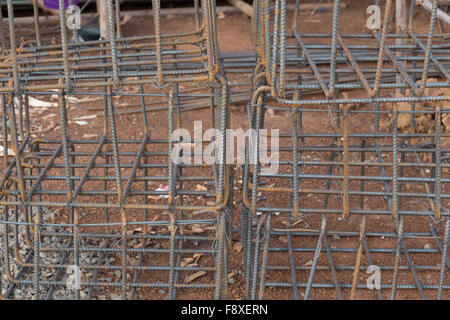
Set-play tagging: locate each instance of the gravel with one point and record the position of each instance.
(50, 258)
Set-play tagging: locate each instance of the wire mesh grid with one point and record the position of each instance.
(105, 212)
(361, 197)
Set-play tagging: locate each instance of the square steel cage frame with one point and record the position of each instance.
(82, 215)
(328, 173)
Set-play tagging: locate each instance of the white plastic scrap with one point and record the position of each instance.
(163, 188)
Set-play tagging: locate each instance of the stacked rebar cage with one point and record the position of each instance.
(110, 214)
(362, 193)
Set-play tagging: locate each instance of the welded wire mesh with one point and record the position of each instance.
(105, 212)
(363, 181)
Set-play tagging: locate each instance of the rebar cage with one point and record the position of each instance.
(362, 192)
(105, 212)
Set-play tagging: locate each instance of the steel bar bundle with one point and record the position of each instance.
(106, 212)
(359, 206)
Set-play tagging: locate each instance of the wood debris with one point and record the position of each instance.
(194, 276)
(237, 246)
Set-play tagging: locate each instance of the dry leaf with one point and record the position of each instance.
(282, 239)
(134, 231)
(309, 263)
(93, 116)
(197, 256)
(197, 229)
(292, 224)
(33, 102)
(192, 265)
(90, 99)
(125, 20)
(199, 187)
(186, 261)
(192, 261)
(52, 126)
(194, 276)
(238, 247)
(90, 136)
(296, 222)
